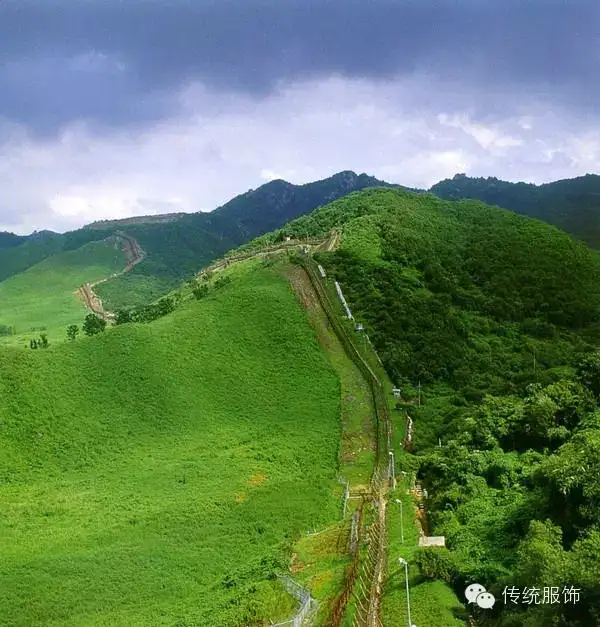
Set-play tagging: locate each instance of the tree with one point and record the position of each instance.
(43, 342)
(72, 331)
(123, 316)
(200, 291)
(93, 324)
(33, 344)
(588, 371)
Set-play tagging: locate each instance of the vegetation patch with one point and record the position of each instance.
(491, 320)
(132, 464)
(43, 295)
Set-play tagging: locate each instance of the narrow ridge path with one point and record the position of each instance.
(134, 253)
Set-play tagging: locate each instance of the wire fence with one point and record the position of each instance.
(364, 579)
(308, 605)
(345, 495)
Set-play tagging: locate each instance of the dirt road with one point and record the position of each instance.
(134, 255)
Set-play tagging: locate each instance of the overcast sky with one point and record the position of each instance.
(110, 109)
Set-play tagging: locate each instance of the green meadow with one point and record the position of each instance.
(160, 474)
(42, 295)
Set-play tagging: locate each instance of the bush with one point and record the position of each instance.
(93, 324)
(222, 281)
(436, 563)
(200, 291)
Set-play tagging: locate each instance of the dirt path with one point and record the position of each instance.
(134, 255)
(330, 244)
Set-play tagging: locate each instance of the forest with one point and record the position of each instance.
(495, 317)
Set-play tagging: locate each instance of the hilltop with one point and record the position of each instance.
(176, 245)
(571, 204)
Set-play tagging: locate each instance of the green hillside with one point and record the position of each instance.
(176, 245)
(175, 250)
(42, 296)
(38, 246)
(571, 204)
(158, 474)
(490, 319)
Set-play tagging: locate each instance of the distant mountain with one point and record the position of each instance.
(122, 222)
(271, 205)
(571, 204)
(178, 244)
(8, 240)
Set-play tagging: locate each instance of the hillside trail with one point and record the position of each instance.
(134, 255)
(315, 244)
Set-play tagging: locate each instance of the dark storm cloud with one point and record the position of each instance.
(145, 51)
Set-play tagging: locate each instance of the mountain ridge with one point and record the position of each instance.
(571, 204)
(176, 245)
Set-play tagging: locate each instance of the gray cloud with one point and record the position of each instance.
(303, 132)
(110, 109)
(122, 63)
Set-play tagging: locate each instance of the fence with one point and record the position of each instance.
(365, 578)
(345, 496)
(308, 605)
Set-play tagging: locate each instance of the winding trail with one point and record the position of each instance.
(134, 254)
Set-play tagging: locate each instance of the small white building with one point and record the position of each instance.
(432, 541)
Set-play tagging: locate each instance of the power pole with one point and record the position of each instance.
(419, 387)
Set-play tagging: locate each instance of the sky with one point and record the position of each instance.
(110, 108)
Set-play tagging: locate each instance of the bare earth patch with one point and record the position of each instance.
(257, 479)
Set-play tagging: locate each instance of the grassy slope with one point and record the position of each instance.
(43, 294)
(153, 475)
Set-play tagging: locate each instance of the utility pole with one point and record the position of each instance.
(405, 564)
(392, 470)
(419, 387)
(401, 521)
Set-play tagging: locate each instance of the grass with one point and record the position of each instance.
(160, 474)
(42, 295)
(133, 289)
(357, 451)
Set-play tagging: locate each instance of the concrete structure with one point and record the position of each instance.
(432, 541)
